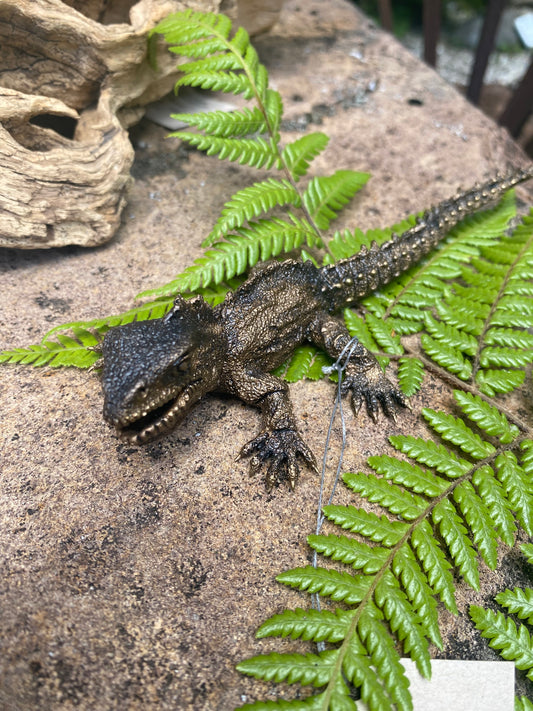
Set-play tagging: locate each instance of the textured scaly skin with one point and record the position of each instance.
(155, 371)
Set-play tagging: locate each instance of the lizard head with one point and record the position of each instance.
(155, 371)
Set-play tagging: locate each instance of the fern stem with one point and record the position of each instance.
(321, 241)
(308, 216)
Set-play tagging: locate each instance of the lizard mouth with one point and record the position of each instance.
(158, 418)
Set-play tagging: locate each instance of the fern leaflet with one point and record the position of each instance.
(298, 154)
(325, 196)
(498, 314)
(250, 203)
(227, 124)
(58, 353)
(261, 240)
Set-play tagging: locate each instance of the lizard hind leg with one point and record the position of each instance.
(363, 377)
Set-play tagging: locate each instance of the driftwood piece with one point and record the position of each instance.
(69, 88)
(55, 190)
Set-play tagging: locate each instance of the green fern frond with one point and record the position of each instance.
(499, 507)
(418, 480)
(400, 615)
(309, 625)
(461, 549)
(395, 499)
(435, 564)
(509, 337)
(188, 26)
(380, 648)
(505, 357)
(512, 641)
(75, 344)
(200, 35)
(455, 430)
(347, 243)
(359, 328)
(306, 362)
(488, 417)
(410, 375)
(306, 669)
(383, 335)
(143, 312)
(228, 82)
(519, 602)
(230, 65)
(340, 587)
(523, 704)
(424, 284)
(358, 555)
(214, 63)
(273, 108)
(359, 672)
(407, 570)
(516, 485)
(438, 507)
(449, 336)
(477, 516)
(432, 454)
(492, 382)
(482, 333)
(379, 529)
(527, 550)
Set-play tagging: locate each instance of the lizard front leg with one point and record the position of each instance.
(363, 377)
(279, 447)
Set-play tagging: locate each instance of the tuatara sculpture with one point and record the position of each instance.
(155, 371)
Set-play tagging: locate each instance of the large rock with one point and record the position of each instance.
(135, 578)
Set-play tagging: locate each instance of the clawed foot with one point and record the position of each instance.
(372, 387)
(277, 454)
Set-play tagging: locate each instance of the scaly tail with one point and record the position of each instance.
(351, 279)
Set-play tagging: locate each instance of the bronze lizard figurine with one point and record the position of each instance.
(155, 371)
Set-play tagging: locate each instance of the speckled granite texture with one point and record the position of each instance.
(135, 578)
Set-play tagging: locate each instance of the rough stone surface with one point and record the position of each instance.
(135, 578)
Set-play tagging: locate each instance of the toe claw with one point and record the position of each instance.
(376, 391)
(276, 452)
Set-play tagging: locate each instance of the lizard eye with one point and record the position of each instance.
(181, 364)
(141, 390)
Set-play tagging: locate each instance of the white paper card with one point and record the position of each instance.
(456, 685)
(524, 27)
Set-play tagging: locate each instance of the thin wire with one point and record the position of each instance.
(339, 366)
